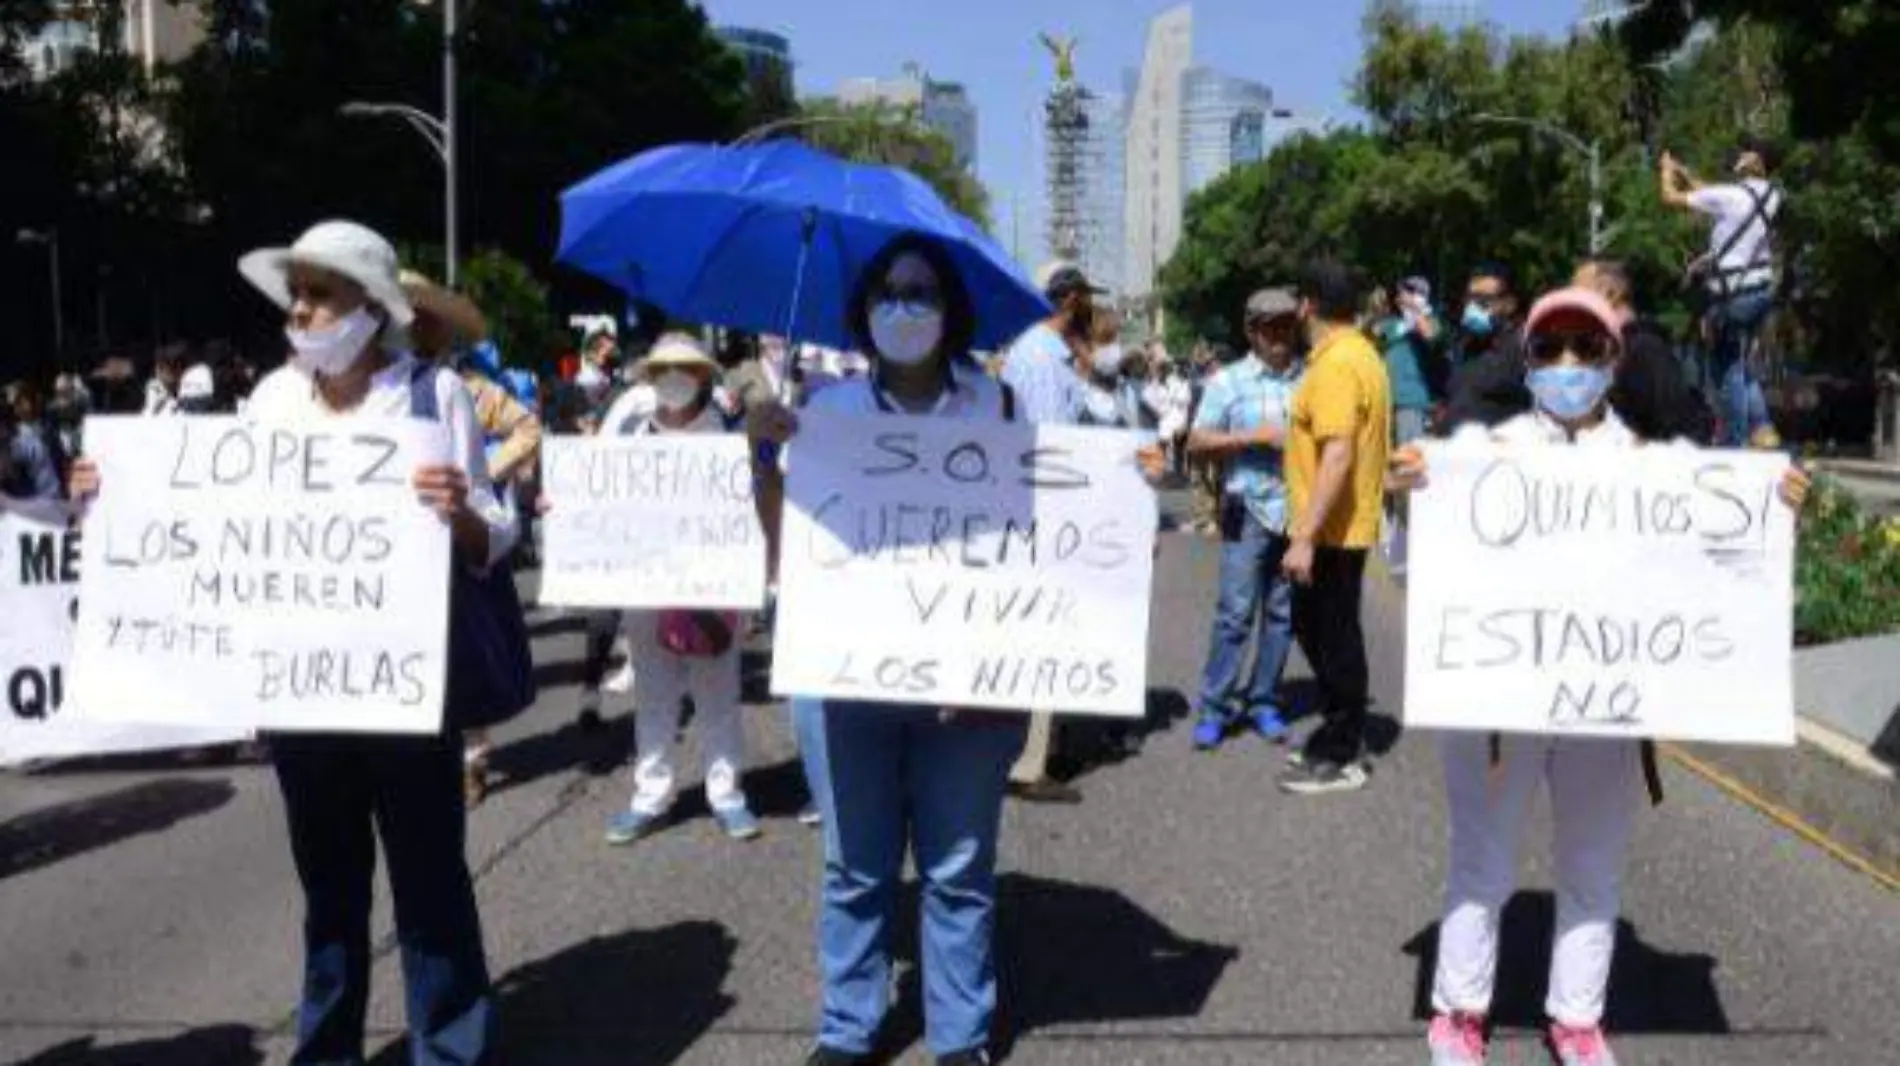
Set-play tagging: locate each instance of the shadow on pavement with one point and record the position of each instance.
(1086, 744)
(598, 751)
(1068, 953)
(55, 834)
(218, 1045)
(558, 625)
(1651, 991)
(642, 997)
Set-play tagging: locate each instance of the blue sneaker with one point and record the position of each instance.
(1271, 726)
(1209, 732)
(629, 826)
(738, 823)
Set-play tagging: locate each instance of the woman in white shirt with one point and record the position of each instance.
(679, 654)
(890, 778)
(345, 321)
(1573, 343)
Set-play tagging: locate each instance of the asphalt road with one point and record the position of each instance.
(1185, 913)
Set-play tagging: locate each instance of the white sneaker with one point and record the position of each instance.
(620, 682)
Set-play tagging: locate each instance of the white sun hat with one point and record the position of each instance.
(348, 249)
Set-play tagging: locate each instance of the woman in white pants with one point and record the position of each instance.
(682, 654)
(1573, 340)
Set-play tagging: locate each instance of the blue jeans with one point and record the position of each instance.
(1254, 600)
(1738, 321)
(340, 793)
(886, 777)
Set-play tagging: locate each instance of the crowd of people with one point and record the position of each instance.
(1303, 447)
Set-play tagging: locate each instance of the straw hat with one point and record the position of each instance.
(453, 309)
(676, 351)
(347, 249)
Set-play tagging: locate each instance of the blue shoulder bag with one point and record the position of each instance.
(490, 667)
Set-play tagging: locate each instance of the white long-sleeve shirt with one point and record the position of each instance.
(289, 394)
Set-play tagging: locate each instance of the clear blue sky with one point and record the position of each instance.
(1305, 50)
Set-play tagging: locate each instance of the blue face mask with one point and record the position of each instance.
(1568, 393)
(1477, 321)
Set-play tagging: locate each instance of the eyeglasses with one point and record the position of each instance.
(1590, 347)
(926, 295)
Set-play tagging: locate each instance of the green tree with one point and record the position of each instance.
(516, 305)
(888, 135)
(1256, 226)
(1824, 75)
(1437, 183)
(550, 91)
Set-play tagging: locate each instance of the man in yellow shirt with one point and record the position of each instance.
(1337, 445)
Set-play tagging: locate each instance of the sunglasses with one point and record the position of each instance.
(1589, 347)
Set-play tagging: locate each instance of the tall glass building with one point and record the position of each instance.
(1223, 124)
(767, 56)
(943, 106)
(1155, 187)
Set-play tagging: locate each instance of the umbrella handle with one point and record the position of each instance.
(807, 231)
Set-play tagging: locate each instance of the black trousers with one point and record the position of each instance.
(1326, 622)
(340, 794)
(602, 628)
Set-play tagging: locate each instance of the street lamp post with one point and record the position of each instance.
(50, 238)
(1592, 150)
(439, 132)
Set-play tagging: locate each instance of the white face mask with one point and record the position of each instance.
(675, 390)
(906, 333)
(335, 348)
(1108, 360)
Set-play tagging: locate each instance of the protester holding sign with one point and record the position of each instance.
(888, 776)
(1573, 343)
(346, 322)
(680, 653)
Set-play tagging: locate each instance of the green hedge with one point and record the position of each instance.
(1847, 570)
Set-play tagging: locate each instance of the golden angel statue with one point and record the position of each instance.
(1063, 48)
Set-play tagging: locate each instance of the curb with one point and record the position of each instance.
(1846, 811)
(1861, 469)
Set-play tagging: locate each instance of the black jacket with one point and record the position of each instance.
(1650, 393)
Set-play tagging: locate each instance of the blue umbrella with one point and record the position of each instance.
(742, 236)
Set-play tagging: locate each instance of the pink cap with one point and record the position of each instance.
(1579, 301)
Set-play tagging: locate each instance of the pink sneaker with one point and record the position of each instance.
(1457, 1040)
(1580, 1047)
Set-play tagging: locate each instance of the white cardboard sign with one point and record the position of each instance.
(965, 565)
(657, 520)
(269, 576)
(1570, 591)
(39, 585)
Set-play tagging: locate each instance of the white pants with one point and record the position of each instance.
(1593, 796)
(1033, 765)
(664, 679)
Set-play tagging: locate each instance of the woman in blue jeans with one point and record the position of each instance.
(889, 778)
